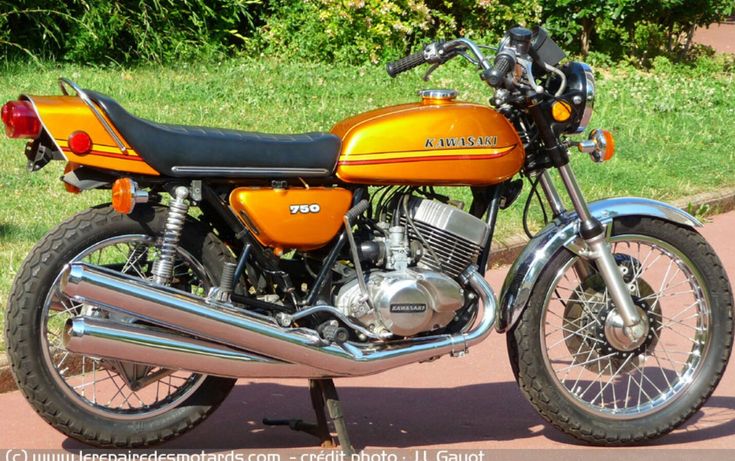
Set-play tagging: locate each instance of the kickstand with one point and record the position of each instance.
(322, 391)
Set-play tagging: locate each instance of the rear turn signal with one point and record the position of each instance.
(125, 194)
(70, 187)
(20, 120)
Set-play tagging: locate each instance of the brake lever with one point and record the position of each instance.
(428, 72)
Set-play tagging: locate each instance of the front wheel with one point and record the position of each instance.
(564, 347)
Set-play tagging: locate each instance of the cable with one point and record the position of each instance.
(527, 206)
(541, 203)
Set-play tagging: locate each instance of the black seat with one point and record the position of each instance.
(192, 151)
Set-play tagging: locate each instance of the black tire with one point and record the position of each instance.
(557, 406)
(23, 323)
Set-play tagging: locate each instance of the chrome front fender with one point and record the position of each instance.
(563, 233)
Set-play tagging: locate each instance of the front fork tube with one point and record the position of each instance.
(581, 266)
(598, 250)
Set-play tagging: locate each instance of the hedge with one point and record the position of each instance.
(355, 31)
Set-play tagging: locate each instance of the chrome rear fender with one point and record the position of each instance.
(563, 232)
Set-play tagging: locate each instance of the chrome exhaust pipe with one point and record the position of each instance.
(132, 343)
(188, 314)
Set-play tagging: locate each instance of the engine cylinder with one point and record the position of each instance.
(455, 237)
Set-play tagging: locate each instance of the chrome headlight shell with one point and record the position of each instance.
(589, 95)
(581, 91)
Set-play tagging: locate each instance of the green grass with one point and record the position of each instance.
(673, 133)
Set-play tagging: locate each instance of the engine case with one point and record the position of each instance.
(407, 302)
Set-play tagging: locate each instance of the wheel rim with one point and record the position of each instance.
(104, 386)
(617, 385)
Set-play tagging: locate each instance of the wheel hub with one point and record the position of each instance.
(613, 331)
(598, 328)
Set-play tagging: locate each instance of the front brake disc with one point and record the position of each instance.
(584, 326)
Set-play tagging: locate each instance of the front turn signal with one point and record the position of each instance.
(126, 194)
(600, 145)
(561, 110)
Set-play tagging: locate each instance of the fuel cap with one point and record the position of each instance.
(441, 94)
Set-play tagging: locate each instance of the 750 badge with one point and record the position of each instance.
(304, 209)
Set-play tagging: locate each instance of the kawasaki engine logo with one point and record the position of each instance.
(407, 308)
(465, 141)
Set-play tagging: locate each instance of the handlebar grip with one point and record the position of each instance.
(402, 65)
(503, 64)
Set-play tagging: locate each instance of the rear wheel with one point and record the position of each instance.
(574, 372)
(98, 401)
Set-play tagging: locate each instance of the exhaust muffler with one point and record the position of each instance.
(135, 343)
(260, 335)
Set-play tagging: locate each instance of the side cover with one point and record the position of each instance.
(563, 233)
(300, 218)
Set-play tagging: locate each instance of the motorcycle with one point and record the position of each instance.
(228, 254)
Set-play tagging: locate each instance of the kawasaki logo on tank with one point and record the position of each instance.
(468, 141)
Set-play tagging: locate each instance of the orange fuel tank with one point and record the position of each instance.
(436, 141)
(300, 218)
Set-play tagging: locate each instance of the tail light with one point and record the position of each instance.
(20, 120)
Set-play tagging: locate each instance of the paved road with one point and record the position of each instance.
(721, 37)
(458, 403)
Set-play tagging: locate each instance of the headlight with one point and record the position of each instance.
(581, 92)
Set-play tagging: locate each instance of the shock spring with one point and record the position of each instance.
(177, 210)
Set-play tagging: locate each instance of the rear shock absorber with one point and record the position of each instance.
(178, 208)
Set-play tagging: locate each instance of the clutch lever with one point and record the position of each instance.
(427, 75)
(445, 54)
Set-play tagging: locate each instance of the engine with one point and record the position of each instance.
(412, 284)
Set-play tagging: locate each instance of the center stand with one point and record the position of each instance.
(322, 391)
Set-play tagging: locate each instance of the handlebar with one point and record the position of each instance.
(520, 55)
(512, 51)
(402, 65)
(440, 52)
(504, 63)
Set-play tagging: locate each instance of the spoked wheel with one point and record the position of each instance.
(99, 401)
(113, 388)
(574, 363)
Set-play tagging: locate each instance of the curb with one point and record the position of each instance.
(7, 381)
(507, 250)
(704, 204)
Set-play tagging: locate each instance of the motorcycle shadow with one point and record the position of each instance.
(474, 415)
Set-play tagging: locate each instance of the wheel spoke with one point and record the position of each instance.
(612, 378)
(100, 384)
(665, 287)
